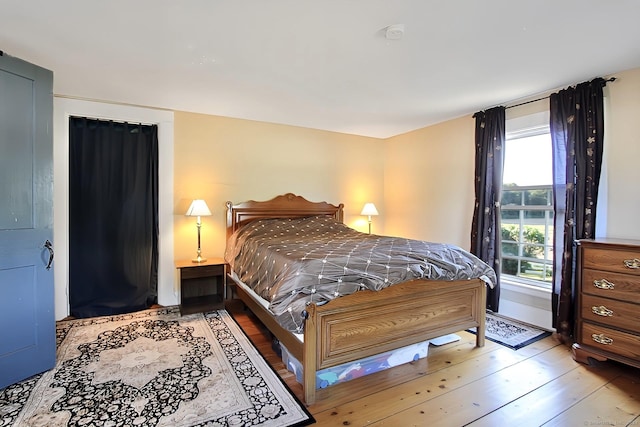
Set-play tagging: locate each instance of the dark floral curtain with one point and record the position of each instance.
(485, 229)
(577, 132)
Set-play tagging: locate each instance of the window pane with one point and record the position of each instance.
(533, 270)
(511, 197)
(509, 215)
(527, 161)
(537, 197)
(509, 248)
(510, 266)
(534, 234)
(533, 251)
(511, 232)
(533, 217)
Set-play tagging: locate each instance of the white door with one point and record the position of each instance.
(27, 319)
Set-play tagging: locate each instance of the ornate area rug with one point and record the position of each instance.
(153, 368)
(510, 333)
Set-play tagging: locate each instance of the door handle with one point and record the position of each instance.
(49, 246)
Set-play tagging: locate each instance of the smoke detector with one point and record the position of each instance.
(394, 32)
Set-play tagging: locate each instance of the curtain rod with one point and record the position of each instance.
(611, 79)
(118, 121)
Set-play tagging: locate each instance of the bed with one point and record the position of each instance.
(360, 324)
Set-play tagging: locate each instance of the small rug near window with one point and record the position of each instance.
(154, 368)
(510, 333)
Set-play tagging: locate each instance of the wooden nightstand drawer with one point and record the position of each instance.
(619, 314)
(620, 261)
(619, 286)
(611, 340)
(201, 271)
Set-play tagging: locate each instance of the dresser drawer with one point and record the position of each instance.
(624, 287)
(610, 312)
(611, 341)
(619, 261)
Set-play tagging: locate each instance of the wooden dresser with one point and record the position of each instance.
(608, 301)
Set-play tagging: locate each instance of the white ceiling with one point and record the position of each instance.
(322, 64)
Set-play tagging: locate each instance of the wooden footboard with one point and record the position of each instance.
(367, 323)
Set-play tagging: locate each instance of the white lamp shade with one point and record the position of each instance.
(198, 208)
(369, 209)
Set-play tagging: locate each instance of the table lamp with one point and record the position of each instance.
(369, 210)
(198, 208)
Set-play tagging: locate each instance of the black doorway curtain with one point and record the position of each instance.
(113, 217)
(486, 234)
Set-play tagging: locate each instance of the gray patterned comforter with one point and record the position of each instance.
(294, 262)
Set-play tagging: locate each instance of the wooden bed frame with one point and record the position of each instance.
(365, 323)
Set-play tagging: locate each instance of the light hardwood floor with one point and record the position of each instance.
(460, 385)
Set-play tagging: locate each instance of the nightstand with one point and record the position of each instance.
(203, 285)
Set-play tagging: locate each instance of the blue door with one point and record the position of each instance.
(27, 319)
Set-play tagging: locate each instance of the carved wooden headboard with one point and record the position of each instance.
(285, 206)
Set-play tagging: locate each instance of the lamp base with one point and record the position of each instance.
(199, 259)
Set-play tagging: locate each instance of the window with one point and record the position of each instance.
(527, 206)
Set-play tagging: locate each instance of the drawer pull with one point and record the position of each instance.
(603, 284)
(602, 339)
(602, 311)
(632, 263)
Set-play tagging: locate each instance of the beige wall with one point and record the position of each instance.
(620, 197)
(220, 159)
(429, 192)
